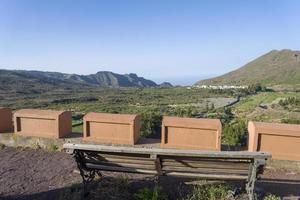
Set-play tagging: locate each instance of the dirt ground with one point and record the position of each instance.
(38, 174)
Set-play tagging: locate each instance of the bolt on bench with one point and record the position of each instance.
(92, 159)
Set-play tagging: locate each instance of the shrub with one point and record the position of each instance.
(254, 88)
(210, 192)
(290, 103)
(151, 123)
(188, 111)
(53, 148)
(36, 145)
(271, 197)
(235, 133)
(150, 194)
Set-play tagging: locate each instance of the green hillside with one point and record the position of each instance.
(274, 68)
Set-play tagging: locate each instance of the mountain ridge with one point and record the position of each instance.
(21, 80)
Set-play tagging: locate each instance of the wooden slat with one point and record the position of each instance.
(129, 155)
(129, 165)
(123, 160)
(208, 176)
(205, 164)
(183, 158)
(120, 169)
(204, 170)
(120, 155)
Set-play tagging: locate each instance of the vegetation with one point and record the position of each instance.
(53, 148)
(150, 194)
(210, 192)
(235, 133)
(36, 145)
(272, 197)
(249, 104)
(290, 103)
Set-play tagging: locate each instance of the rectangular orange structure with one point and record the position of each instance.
(43, 123)
(282, 140)
(190, 133)
(6, 121)
(111, 128)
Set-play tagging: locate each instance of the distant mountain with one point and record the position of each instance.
(165, 85)
(36, 81)
(274, 68)
(110, 79)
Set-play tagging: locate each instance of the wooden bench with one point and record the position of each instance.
(92, 159)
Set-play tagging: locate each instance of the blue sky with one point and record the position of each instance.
(173, 40)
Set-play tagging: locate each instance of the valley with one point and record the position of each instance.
(153, 103)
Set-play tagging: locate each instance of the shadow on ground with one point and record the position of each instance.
(282, 188)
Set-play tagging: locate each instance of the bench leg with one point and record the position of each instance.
(252, 176)
(87, 174)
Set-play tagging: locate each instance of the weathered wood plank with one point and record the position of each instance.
(204, 170)
(218, 165)
(208, 176)
(120, 160)
(191, 159)
(123, 155)
(129, 165)
(120, 169)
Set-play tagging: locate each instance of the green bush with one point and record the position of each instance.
(294, 101)
(209, 192)
(188, 111)
(272, 197)
(150, 194)
(290, 103)
(235, 133)
(53, 148)
(151, 123)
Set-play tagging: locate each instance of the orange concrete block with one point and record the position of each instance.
(190, 133)
(281, 140)
(111, 128)
(6, 121)
(43, 123)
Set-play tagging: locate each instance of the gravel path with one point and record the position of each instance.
(28, 171)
